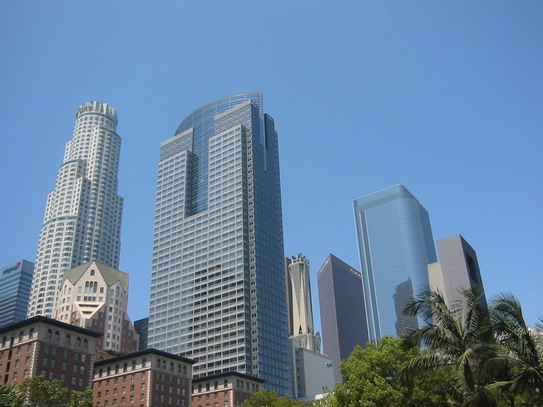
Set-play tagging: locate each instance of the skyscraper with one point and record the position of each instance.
(396, 245)
(343, 319)
(217, 286)
(300, 304)
(83, 214)
(456, 270)
(15, 282)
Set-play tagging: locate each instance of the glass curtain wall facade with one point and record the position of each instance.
(342, 313)
(83, 214)
(15, 282)
(396, 245)
(217, 286)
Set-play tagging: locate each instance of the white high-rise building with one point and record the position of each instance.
(83, 214)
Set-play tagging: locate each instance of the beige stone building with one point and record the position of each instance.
(95, 296)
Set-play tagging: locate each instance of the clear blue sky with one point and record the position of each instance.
(445, 97)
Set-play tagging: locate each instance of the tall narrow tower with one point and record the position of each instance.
(301, 308)
(343, 318)
(217, 286)
(83, 214)
(396, 245)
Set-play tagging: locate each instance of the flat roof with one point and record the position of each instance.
(49, 321)
(225, 374)
(142, 353)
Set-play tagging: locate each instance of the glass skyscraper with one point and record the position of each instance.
(343, 318)
(83, 214)
(15, 282)
(217, 287)
(396, 245)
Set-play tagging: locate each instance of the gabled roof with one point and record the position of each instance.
(109, 274)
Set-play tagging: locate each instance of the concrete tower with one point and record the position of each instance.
(302, 311)
(83, 214)
(457, 269)
(217, 285)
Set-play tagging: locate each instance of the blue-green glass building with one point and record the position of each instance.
(217, 288)
(15, 285)
(396, 245)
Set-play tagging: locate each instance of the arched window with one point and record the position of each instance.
(215, 386)
(78, 342)
(116, 368)
(125, 367)
(31, 333)
(133, 365)
(85, 344)
(56, 336)
(67, 339)
(21, 336)
(171, 366)
(49, 334)
(108, 370)
(225, 383)
(143, 362)
(100, 373)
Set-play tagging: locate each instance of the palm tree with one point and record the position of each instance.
(460, 338)
(518, 354)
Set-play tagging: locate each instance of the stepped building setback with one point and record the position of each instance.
(217, 285)
(83, 214)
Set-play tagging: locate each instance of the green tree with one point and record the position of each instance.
(518, 358)
(461, 338)
(266, 398)
(372, 378)
(40, 392)
(10, 397)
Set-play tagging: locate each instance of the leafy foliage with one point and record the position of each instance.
(495, 357)
(10, 397)
(266, 398)
(373, 377)
(40, 392)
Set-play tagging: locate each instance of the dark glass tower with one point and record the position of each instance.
(343, 319)
(217, 289)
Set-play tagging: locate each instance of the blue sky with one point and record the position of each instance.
(443, 97)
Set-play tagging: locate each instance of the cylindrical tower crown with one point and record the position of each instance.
(97, 107)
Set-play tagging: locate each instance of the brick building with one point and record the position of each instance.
(228, 389)
(47, 347)
(143, 379)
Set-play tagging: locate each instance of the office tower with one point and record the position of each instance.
(217, 286)
(95, 296)
(300, 305)
(142, 327)
(41, 346)
(396, 245)
(146, 378)
(343, 318)
(457, 269)
(83, 214)
(15, 282)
